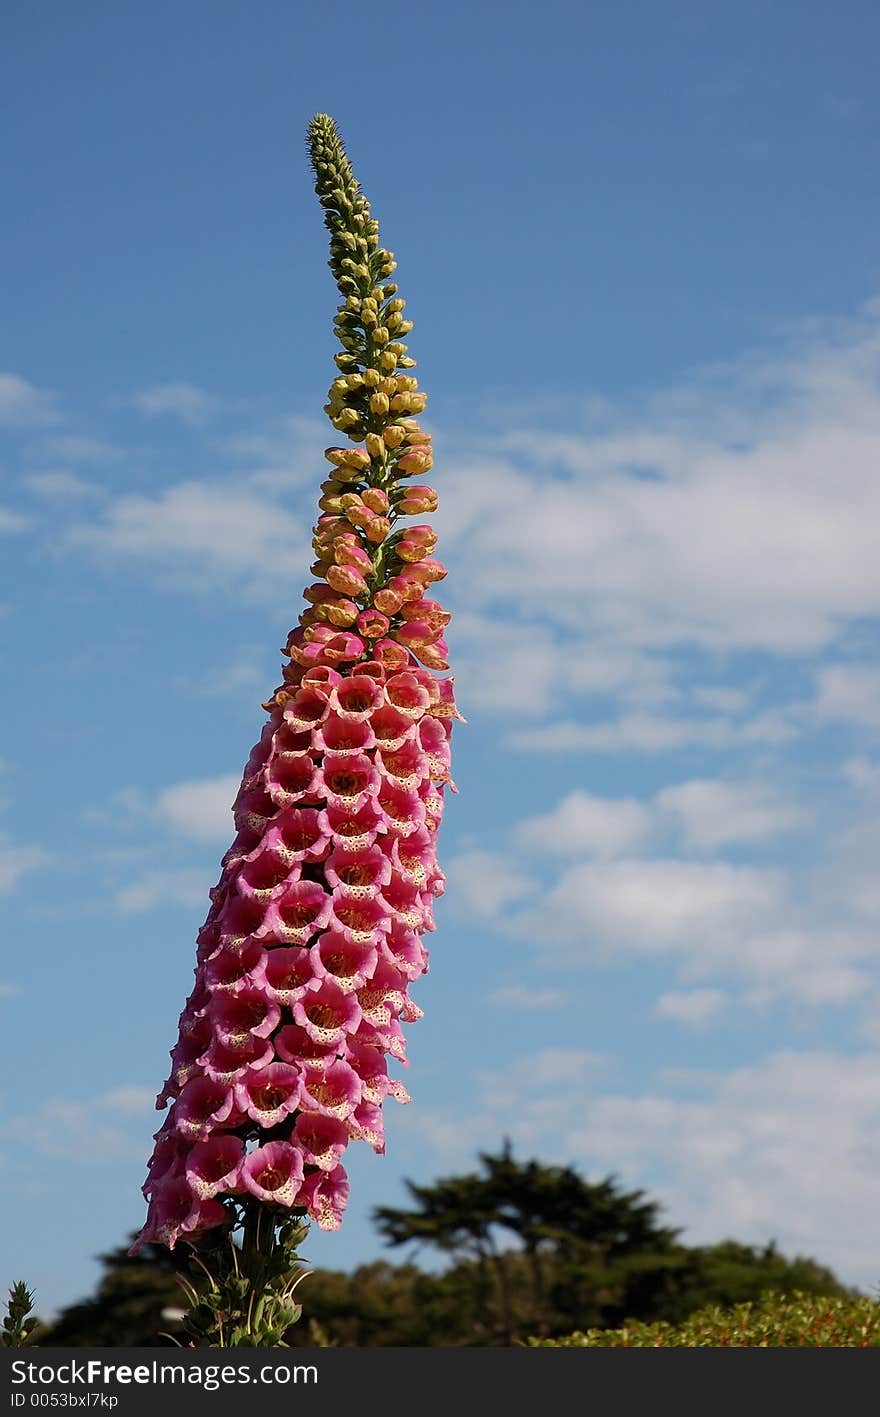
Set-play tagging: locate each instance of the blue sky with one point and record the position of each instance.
(639, 245)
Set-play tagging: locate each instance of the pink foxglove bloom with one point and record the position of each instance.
(316, 929)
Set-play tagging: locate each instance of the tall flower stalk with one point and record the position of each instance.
(316, 926)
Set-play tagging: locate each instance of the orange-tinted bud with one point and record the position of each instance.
(388, 600)
(415, 460)
(433, 656)
(391, 655)
(429, 612)
(418, 500)
(377, 530)
(347, 551)
(407, 585)
(341, 613)
(375, 499)
(431, 570)
(360, 515)
(358, 459)
(372, 624)
(393, 436)
(415, 435)
(348, 580)
(317, 593)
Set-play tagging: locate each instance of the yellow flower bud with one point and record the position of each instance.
(346, 418)
(377, 529)
(388, 386)
(372, 378)
(393, 436)
(375, 499)
(341, 613)
(329, 503)
(388, 360)
(375, 446)
(381, 335)
(360, 516)
(355, 458)
(379, 404)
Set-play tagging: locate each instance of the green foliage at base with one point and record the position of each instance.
(774, 1321)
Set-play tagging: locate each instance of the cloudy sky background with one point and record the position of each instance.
(639, 244)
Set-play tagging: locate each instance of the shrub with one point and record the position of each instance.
(773, 1321)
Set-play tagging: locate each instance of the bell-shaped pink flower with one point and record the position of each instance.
(358, 873)
(268, 1095)
(296, 916)
(348, 963)
(274, 1172)
(286, 973)
(327, 1013)
(334, 1091)
(322, 1139)
(325, 1194)
(213, 1165)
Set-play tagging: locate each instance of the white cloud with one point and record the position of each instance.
(91, 1131)
(482, 883)
(850, 692)
(524, 669)
(79, 448)
(163, 888)
(716, 920)
(59, 485)
(23, 405)
(655, 733)
(201, 810)
(238, 675)
(546, 1069)
(11, 521)
(862, 774)
(768, 1154)
(714, 813)
(583, 824)
(183, 400)
(16, 860)
(659, 905)
(694, 1007)
(753, 528)
(763, 1151)
(203, 531)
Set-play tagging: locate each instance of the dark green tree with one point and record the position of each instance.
(571, 1234)
(130, 1306)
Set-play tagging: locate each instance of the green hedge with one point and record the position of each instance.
(794, 1321)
